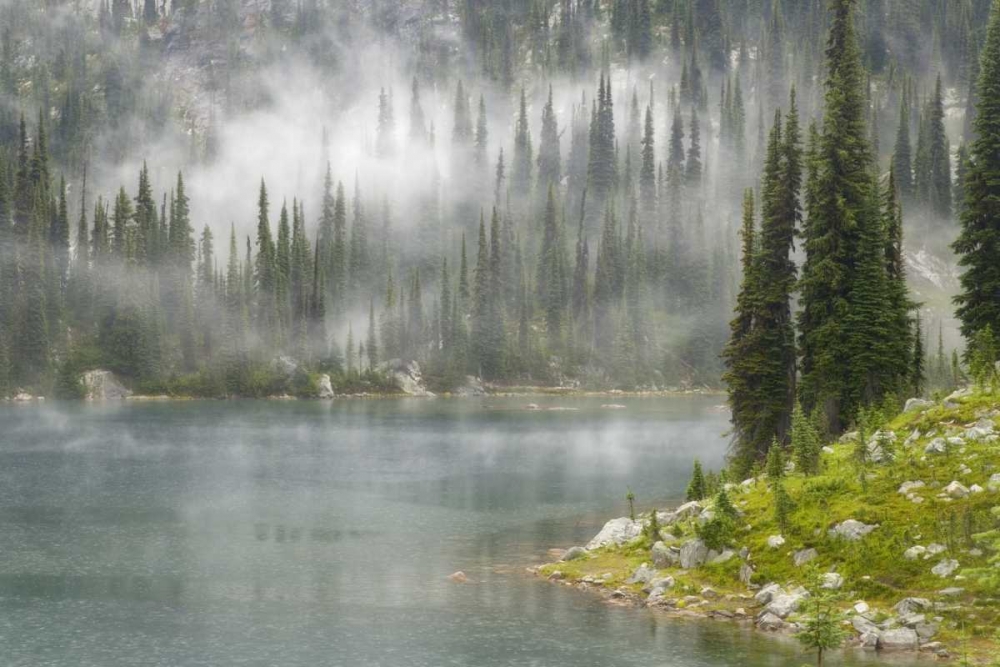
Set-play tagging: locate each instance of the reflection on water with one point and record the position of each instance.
(267, 533)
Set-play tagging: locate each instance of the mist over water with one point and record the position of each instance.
(303, 533)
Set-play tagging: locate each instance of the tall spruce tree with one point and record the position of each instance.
(978, 244)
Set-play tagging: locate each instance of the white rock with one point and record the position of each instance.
(694, 553)
(832, 581)
(101, 385)
(907, 487)
(766, 594)
(861, 607)
(994, 483)
(324, 387)
(916, 404)
(642, 575)
(915, 552)
(936, 446)
(934, 549)
(800, 558)
(775, 541)
(945, 568)
(617, 531)
(852, 530)
(956, 490)
(898, 639)
(827, 449)
(975, 488)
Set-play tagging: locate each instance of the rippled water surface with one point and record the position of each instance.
(308, 533)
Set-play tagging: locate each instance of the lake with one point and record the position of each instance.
(322, 533)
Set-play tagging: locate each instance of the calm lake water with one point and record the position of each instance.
(309, 533)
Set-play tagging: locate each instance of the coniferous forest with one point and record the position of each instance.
(779, 197)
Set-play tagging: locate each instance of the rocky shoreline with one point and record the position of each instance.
(905, 558)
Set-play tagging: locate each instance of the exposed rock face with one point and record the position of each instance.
(324, 387)
(472, 387)
(617, 531)
(102, 385)
(852, 530)
(407, 375)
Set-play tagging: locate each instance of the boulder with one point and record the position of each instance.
(863, 626)
(945, 568)
(573, 553)
(936, 446)
(898, 639)
(908, 606)
(473, 387)
(994, 483)
(746, 574)
(907, 487)
(800, 558)
(687, 510)
(775, 541)
(861, 607)
(832, 581)
(102, 385)
(766, 594)
(915, 552)
(852, 530)
(324, 387)
(694, 553)
(642, 575)
(769, 622)
(617, 531)
(917, 404)
(934, 549)
(926, 631)
(956, 490)
(664, 556)
(783, 604)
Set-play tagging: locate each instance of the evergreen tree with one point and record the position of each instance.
(549, 160)
(385, 133)
(901, 155)
(696, 487)
(520, 173)
(978, 244)
(939, 157)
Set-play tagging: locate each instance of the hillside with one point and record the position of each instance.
(908, 557)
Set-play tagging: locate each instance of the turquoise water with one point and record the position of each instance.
(309, 533)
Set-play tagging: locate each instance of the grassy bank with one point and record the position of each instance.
(923, 493)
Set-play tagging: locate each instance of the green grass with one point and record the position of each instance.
(873, 568)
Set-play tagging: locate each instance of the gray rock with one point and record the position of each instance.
(688, 510)
(746, 573)
(324, 388)
(783, 604)
(907, 487)
(770, 622)
(934, 549)
(101, 385)
(617, 531)
(915, 552)
(945, 568)
(926, 631)
(912, 620)
(727, 554)
(407, 375)
(766, 594)
(898, 639)
(951, 592)
(832, 581)
(955, 441)
(642, 575)
(911, 605)
(800, 558)
(660, 584)
(709, 593)
(664, 556)
(956, 490)
(775, 541)
(916, 404)
(936, 446)
(862, 625)
(574, 553)
(994, 483)
(694, 553)
(852, 530)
